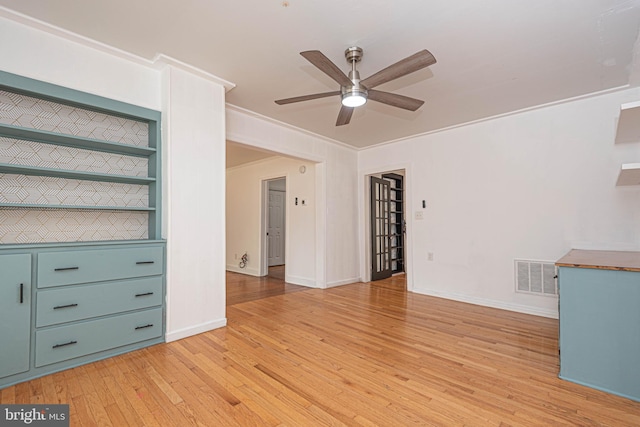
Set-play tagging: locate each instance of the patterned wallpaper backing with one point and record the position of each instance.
(29, 225)
(34, 113)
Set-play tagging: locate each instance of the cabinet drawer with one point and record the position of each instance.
(74, 267)
(68, 304)
(69, 341)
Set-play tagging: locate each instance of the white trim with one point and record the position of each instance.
(498, 116)
(250, 271)
(194, 330)
(343, 282)
(71, 36)
(364, 225)
(302, 281)
(519, 308)
(160, 60)
(263, 242)
(288, 126)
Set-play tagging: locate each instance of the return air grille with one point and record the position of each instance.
(536, 277)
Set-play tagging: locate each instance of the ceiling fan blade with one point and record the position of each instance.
(395, 100)
(413, 63)
(306, 97)
(325, 65)
(344, 116)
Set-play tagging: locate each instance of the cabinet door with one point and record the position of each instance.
(15, 313)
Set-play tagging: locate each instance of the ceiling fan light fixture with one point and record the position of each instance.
(354, 97)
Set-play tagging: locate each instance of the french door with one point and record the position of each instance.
(380, 229)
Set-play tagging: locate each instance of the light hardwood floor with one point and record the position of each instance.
(360, 354)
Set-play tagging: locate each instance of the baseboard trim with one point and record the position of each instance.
(519, 308)
(194, 330)
(247, 270)
(343, 282)
(297, 280)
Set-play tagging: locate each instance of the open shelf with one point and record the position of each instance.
(629, 123)
(629, 174)
(90, 208)
(61, 173)
(46, 137)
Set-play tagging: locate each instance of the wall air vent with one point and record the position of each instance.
(536, 277)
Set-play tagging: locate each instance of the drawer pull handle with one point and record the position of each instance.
(66, 268)
(144, 295)
(65, 344)
(21, 293)
(145, 262)
(65, 306)
(145, 326)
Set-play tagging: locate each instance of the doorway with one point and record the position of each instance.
(275, 220)
(387, 224)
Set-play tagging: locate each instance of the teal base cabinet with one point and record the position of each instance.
(64, 305)
(15, 314)
(600, 328)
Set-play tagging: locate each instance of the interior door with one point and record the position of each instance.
(276, 227)
(380, 233)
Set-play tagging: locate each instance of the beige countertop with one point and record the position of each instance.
(604, 260)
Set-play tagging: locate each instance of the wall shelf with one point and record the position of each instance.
(86, 207)
(629, 174)
(46, 137)
(61, 173)
(629, 123)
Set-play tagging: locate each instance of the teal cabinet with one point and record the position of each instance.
(15, 313)
(60, 307)
(600, 326)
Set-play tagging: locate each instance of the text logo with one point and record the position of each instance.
(34, 415)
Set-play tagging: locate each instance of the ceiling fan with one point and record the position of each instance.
(355, 92)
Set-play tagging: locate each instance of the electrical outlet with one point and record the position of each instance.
(419, 215)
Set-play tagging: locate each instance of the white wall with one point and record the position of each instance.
(336, 209)
(530, 185)
(195, 153)
(244, 217)
(38, 55)
(193, 142)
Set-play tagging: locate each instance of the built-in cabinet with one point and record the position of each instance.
(15, 313)
(82, 262)
(600, 320)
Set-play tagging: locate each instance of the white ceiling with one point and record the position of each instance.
(494, 56)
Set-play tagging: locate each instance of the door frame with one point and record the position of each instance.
(364, 197)
(282, 225)
(264, 222)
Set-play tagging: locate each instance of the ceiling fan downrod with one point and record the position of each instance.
(356, 94)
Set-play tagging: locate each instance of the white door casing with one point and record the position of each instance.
(276, 227)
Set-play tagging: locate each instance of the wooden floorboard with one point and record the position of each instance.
(355, 355)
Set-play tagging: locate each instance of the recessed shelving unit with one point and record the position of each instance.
(61, 125)
(628, 131)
